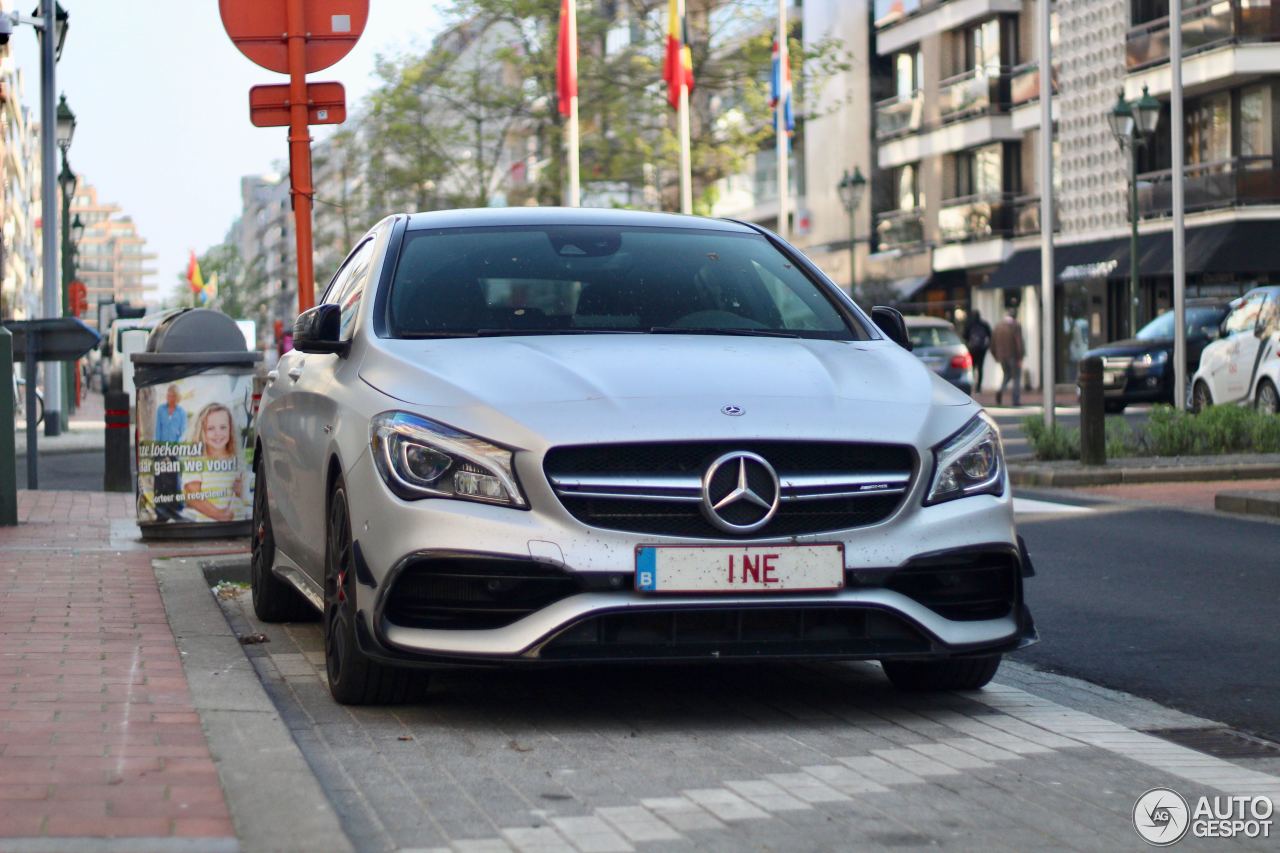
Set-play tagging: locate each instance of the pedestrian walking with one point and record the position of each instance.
(1009, 349)
(977, 337)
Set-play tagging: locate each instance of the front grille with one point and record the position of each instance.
(473, 593)
(738, 633)
(960, 586)
(656, 488)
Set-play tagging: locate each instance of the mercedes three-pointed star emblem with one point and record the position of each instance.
(751, 480)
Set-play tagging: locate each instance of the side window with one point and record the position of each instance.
(1245, 317)
(348, 286)
(1269, 317)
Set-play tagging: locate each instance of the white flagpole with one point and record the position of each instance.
(1048, 325)
(575, 189)
(686, 155)
(1179, 231)
(780, 126)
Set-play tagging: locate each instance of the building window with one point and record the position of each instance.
(906, 183)
(1209, 129)
(1255, 122)
(907, 73)
(979, 171)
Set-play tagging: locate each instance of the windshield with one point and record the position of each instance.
(1200, 323)
(605, 279)
(932, 336)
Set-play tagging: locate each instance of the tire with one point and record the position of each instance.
(1113, 407)
(1201, 399)
(274, 600)
(354, 677)
(1268, 399)
(955, 674)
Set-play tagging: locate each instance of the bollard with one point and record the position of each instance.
(1093, 432)
(8, 464)
(118, 472)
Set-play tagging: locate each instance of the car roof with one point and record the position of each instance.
(489, 217)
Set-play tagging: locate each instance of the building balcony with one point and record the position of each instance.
(1025, 216)
(899, 115)
(1204, 26)
(902, 23)
(1240, 182)
(1024, 84)
(977, 217)
(974, 92)
(900, 229)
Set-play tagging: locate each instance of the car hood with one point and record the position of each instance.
(1131, 346)
(592, 388)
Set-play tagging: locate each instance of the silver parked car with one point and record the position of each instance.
(546, 436)
(935, 342)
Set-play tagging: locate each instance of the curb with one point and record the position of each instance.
(1103, 475)
(275, 800)
(1265, 504)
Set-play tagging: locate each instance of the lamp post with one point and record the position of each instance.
(851, 189)
(1133, 124)
(65, 130)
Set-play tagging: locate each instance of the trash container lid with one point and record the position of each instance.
(196, 330)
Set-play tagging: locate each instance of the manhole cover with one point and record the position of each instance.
(1223, 743)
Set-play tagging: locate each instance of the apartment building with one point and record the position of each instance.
(111, 258)
(20, 273)
(955, 195)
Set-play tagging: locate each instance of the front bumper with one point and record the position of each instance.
(585, 606)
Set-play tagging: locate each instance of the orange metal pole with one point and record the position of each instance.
(300, 152)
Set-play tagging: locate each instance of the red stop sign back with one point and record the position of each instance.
(258, 28)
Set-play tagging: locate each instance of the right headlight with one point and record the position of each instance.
(419, 458)
(970, 462)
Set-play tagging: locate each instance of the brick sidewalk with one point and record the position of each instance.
(1194, 495)
(98, 735)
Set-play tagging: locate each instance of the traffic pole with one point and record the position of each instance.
(8, 462)
(49, 225)
(300, 152)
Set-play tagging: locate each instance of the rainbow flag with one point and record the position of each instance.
(780, 90)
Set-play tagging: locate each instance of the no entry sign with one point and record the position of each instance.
(259, 28)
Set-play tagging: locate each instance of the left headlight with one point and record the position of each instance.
(419, 458)
(970, 462)
(1148, 360)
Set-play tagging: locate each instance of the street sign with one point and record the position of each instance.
(269, 105)
(259, 27)
(51, 338)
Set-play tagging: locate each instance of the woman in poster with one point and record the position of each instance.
(214, 485)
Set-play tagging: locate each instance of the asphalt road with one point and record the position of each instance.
(80, 472)
(1178, 607)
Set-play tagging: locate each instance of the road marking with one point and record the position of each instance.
(1030, 506)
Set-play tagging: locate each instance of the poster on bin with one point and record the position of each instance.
(195, 448)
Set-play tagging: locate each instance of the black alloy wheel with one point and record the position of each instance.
(274, 600)
(1268, 400)
(354, 677)
(954, 674)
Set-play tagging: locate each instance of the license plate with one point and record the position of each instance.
(729, 568)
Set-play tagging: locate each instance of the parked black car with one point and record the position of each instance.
(1140, 369)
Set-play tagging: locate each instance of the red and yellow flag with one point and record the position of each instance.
(193, 274)
(678, 67)
(567, 58)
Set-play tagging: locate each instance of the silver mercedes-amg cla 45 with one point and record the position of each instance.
(548, 436)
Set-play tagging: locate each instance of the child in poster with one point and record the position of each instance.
(214, 482)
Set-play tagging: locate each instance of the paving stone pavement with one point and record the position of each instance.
(731, 758)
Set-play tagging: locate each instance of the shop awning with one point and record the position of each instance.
(1228, 247)
(905, 288)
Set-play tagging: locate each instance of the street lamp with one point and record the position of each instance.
(851, 189)
(64, 131)
(1133, 125)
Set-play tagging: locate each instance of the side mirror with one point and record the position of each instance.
(889, 320)
(318, 330)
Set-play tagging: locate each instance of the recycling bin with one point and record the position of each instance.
(193, 439)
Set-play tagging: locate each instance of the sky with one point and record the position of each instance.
(161, 98)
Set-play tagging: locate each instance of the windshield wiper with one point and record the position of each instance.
(423, 336)
(496, 333)
(694, 330)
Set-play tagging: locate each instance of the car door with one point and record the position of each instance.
(1232, 378)
(315, 396)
